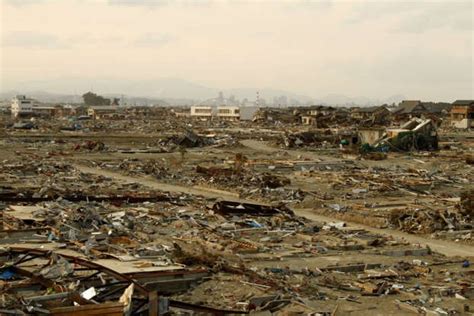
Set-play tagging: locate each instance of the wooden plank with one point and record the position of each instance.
(153, 303)
(24, 213)
(109, 309)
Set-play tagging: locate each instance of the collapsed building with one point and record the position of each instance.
(416, 134)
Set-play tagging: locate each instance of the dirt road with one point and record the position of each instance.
(447, 248)
(166, 187)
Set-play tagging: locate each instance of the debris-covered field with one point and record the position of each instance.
(151, 214)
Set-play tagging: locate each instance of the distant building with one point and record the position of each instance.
(201, 112)
(462, 114)
(437, 108)
(220, 99)
(247, 113)
(22, 106)
(68, 110)
(230, 113)
(311, 114)
(409, 109)
(314, 110)
(45, 111)
(309, 120)
(276, 115)
(281, 101)
(182, 112)
(101, 111)
(369, 112)
(320, 110)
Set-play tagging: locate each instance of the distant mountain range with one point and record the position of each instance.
(165, 91)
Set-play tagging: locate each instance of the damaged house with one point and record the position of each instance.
(364, 113)
(275, 115)
(369, 116)
(102, 111)
(370, 135)
(437, 109)
(408, 109)
(462, 114)
(416, 134)
(310, 115)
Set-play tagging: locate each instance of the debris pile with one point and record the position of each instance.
(308, 139)
(146, 212)
(428, 221)
(467, 203)
(90, 145)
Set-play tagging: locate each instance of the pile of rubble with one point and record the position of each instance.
(429, 221)
(308, 139)
(90, 146)
(86, 230)
(33, 180)
(257, 257)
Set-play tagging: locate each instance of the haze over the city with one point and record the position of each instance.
(420, 50)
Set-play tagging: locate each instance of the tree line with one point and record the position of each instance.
(93, 99)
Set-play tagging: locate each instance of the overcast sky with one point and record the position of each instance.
(423, 50)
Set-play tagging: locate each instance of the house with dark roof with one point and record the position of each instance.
(464, 102)
(437, 108)
(310, 114)
(363, 113)
(462, 114)
(410, 108)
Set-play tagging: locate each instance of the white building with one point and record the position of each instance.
(231, 113)
(203, 112)
(21, 105)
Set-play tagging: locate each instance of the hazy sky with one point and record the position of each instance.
(423, 50)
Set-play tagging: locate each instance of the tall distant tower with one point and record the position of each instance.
(257, 103)
(220, 98)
